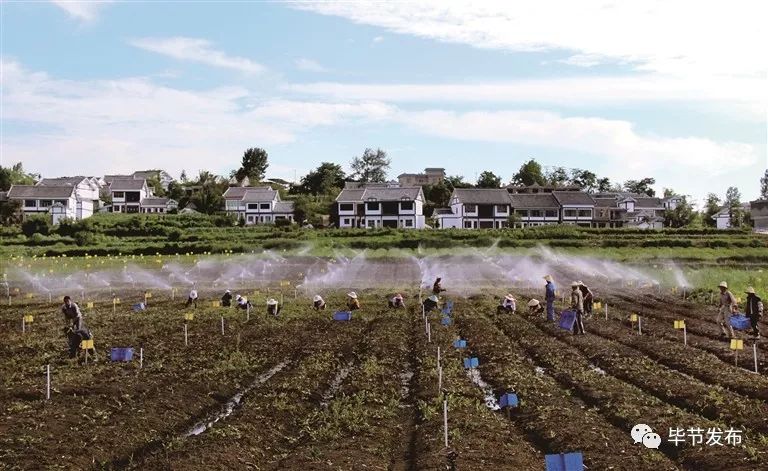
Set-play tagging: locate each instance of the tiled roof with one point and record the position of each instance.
(257, 194)
(126, 184)
(482, 195)
(534, 201)
(61, 181)
(158, 202)
(234, 193)
(446, 211)
(283, 207)
(380, 194)
(35, 192)
(575, 198)
(648, 202)
(606, 202)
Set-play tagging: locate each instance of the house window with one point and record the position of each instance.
(250, 219)
(408, 223)
(264, 206)
(30, 203)
(132, 209)
(132, 197)
(62, 202)
(468, 224)
(550, 213)
(470, 208)
(346, 207)
(523, 213)
(45, 203)
(535, 213)
(118, 194)
(372, 224)
(501, 208)
(570, 213)
(372, 207)
(346, 221)
(585, 213)
(406, 205)
(253, 206)
(161, 210)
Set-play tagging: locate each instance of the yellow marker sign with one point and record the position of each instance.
(89, 305)
(598, 305)
(116, 301)
(86, 344)
(633, 317)
(737, 344)
(679, 324)
(29, 319)
(285, 283)
(189, 316)
(147, 295)
(15, 290)
(29, 295)
(215, 304)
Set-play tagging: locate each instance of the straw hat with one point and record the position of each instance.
(581, 283)
(533, 303)
(352, 295)
(317, 298)
(750, 290)
(227, 291)
(271, 302)
(575, 284)
(548, 277)
(509, 297)
(434, 298)
(398, 295)
(238, 296)
(723, 284)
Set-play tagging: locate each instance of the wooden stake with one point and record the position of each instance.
(438, 356)
(429, 333)
(141, 358)
(185, 335)
(685, 336)
(606, 311)
(248, 312)
(222, 325)
(439, 380)
(639, 325)
(754, 352)
(445, 422)
(48, 382)
(23, 325)
(736, 358)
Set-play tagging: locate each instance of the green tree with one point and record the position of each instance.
(209, 198)
(584, 179)
(156, 186)
(513, 220)
(438, 194)
(683, 214)
(604, 185)
(10, 213)
(253, 166)
(175, 191)
(668, 193)
(558, 176)
(16, 175)
(456, 181)
(530, 173)
(183, 177)
(764, 186)
(733, 203)
(372, 166)
(711, 207)
(36, 225)
(325, 179)
(641, 186)
(488, 179)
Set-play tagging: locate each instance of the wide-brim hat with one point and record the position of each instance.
(227, 291)
(723, 284)
(575, 284)
(509, 297)
(398, 295)
(434, 298)
(271, 302)
(317, 298)
(548, 277)
(352, 295)
(533, 303)
(750, 290)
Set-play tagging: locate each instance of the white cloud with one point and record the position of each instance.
(309, 65)
(685, 37)
(745, 94)
(197, 50)
(378, 39)
(81, 9)
(111, 125)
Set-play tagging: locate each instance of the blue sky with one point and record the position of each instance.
(626, 90)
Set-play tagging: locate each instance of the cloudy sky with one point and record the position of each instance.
(674, 90)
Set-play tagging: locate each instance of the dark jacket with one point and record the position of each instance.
(226, 300)
(550, 291)
(754, 306)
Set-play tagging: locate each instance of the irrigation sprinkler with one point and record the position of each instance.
(445, 422)
(48, 382)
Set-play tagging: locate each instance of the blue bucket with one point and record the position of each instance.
(445, 321)
(508, 400)
(471, 362)
(567, 319)
(121, 354)
(342, 316)
(565, 462)
(460, 343)
(740, 322)
(139, 307)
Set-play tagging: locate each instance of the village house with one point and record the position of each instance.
(475, 208)
(576, 207)
(535, 209)
(127, 194)
(431, 176)
(60, 201)
(257, 205)
(380, 205)
(153, 204)
(86, 188)
(723, 217)
(759, 213)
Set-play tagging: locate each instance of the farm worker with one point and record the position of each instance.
(577, 304)
(226, 300)
(588, 298)
(430, 303)
(549, 297)
(72, 313)
(508, 304)
(192, 298)
(728, 306)
(754, 310)
(535, 307)
(242, 302)
(318, 303)
(396, 301)
(436, 288)
(273, 307)
(75, 336)
(352, 302)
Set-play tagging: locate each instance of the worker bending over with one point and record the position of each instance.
(352, 303)
(508, 305)
(318, 303)
(397, 301)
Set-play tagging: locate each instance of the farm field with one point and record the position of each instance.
(302, 391)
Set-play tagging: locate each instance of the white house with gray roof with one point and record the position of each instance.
(535, 209)
(257, 205)
(60, 201)
(127, 194)
(476, 208)
(86, 188)
(380, 205)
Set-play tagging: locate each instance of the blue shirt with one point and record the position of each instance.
(550, 296)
